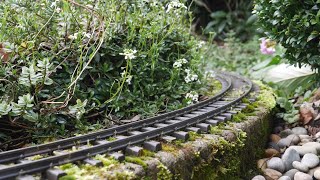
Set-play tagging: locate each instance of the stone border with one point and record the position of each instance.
(228, 152)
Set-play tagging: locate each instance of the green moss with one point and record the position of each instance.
(245, 100)
(136, 160)
(107, 161)
(193, 136)
(249, 109)
(217, 129)
(266, 96)
(164, 173)
(238, 117)
(169, 148)
(67, 178)
(214, 86)
(147, 153)
(233, 160)
(111, 139)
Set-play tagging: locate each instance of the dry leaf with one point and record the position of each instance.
(3, 55)
(135, 118)
(306, 113)
(316, 96)
(202, 98)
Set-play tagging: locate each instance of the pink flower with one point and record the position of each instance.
(267, 46)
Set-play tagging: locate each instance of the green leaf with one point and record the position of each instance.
(218, 14)
(313, 35)
(288, 78)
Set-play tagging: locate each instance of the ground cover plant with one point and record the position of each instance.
(72, 66)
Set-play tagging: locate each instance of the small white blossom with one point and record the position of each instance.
(175, 4)
(128, 80)
(129, 54)
(123, 73)
(179, 63)
(73, 36)
(58, 10)
(54, 4)
(187, 79)
(201, 43)
(192, 96)
(190, 77)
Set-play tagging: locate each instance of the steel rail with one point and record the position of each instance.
(14, 155)
(119, 144)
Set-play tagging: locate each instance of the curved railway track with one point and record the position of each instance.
(129, 138)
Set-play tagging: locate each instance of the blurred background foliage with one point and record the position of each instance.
(224, 16)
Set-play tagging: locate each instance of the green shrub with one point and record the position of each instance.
(72, 63)
(221, 17)
(295, 25)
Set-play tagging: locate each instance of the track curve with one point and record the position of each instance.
(176, 124)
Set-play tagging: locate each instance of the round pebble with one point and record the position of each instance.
(311, 171)
(304, 137)
(259, 177)
(284, 142)
(304, 141)
(284, 178)
(302, 150)
(299, 131)
(294, 139)
(273, 146)
(317, 135)
(301, 167)
(315, 145)
(288, 157)
(262, 164)
(316, 174)
(310, 160)
(273, 174)
(285, 133)
(275, 138)
(271, 152)
(276, 164)
(302, 176)
(291, 173)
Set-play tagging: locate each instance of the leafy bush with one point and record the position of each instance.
(69, 63)
(294, 24)
(222, 16)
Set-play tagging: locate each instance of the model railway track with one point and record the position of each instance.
(17, 164)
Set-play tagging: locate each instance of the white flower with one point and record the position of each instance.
(175, 4)
(201, 43)
(123, 73)
(128, 80)
(187, 79)
(54, 4)
(87, 35)
(179, 63)
(58, 10)
(190, 76)
(193, 77)
(129, 54)
(192, 96)
(73, 36)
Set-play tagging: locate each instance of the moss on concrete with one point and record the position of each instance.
(235, 159)
(227, 153)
